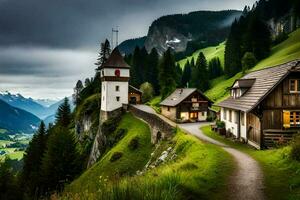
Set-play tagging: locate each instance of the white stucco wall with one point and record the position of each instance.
(202, 118)
(229, 125)
(109, 95)
(233, 125)
(111, 72)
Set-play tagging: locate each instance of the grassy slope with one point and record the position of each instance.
(282, 175)
(209, 52)
(131, 161)
(196, 172)
(286, 51)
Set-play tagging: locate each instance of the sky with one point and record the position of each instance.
(47, 45)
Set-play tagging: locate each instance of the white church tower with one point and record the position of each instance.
(114, 78)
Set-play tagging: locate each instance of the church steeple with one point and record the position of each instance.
(115, 74)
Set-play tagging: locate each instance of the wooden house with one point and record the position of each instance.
(134, 95)
(186, 105)
(264, 106)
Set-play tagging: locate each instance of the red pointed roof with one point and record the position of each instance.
(115, 60)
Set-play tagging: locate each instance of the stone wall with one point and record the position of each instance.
(160, 129)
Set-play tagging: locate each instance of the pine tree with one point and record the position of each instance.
(153, 72)
(63, 115)
(214, 68)
(77, 90)
(167, 74)
(178, 75)
(186, 75)
(200, 79)
(33, 161)
(60, 163)
(135, 74)
(233, 51)
(103, 54)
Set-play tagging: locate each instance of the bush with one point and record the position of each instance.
(116, 156)
(210, 118)
(134, 143)
(220, 124)
(295, 152)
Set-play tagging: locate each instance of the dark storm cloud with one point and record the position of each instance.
(74, 23)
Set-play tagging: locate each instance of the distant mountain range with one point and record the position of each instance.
(43, 109)
(15, 120)
(185, 32)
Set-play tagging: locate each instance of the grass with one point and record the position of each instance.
(154, 103)
(282, 174)
(209, 52)
(128, 164)
(195, 172)
(286, 51)
(89, 103)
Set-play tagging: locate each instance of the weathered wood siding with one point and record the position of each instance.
(278, 100)
(253, 129)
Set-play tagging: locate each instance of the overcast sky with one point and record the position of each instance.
(47, 45)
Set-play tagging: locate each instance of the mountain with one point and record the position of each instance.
(45, 102)
(15, 120)
(28, 104)
(128, 46)
(190, 31)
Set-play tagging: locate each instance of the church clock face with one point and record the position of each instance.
(117, 73)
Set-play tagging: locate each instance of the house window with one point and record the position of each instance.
(117, 88)
(230, 115)
(102, 72)
(243, 118)
(194, 99)
(236, 117)
(294, 86)
(225, 114)
(291, 119)
(118, 98)
(168, 108)
(203, 114)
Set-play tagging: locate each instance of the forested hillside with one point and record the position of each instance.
(15, 120)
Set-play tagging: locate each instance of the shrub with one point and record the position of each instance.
(220, 124)
(116, 156)
(210, 118)
(295, 152)
(134, 143)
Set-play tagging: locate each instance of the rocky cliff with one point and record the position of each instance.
(177, 31)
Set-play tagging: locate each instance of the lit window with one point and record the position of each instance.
(117, 88)
(118, 98)
(294, 86)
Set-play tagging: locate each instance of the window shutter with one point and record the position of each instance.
(286, 119)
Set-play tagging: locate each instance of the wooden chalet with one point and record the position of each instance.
(264, 106)
(134, 95)
(186, 105)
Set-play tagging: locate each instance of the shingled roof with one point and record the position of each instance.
(115, 60)
(265, 81)
(180, 95)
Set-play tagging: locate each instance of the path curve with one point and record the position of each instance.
(246, 183)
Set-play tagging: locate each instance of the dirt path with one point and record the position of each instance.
(247, 181)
